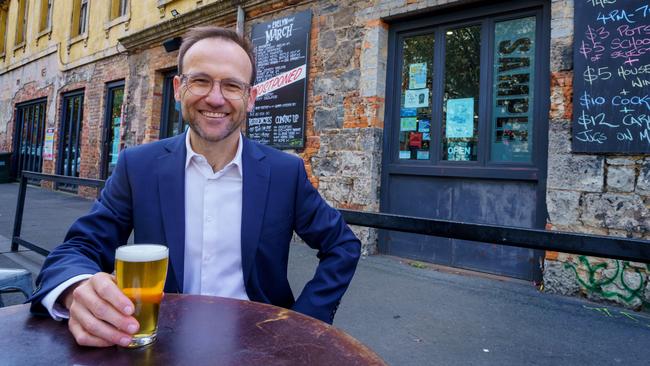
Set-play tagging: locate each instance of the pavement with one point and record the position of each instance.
(409, 315)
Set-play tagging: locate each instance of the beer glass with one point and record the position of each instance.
(141, 270)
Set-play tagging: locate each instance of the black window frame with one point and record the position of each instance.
(60, 161)
(106, 133)
(17, 143)
(486, 15)
(168, 104)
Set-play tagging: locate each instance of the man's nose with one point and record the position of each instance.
(214, 96)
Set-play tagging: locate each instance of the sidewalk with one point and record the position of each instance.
(408, 315)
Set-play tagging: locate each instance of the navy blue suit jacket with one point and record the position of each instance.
(146, 194)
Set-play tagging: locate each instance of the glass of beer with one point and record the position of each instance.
(141, 270)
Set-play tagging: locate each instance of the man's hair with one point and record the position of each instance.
(196, 34)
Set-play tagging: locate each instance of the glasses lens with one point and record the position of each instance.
(199, 86)
(232, 89)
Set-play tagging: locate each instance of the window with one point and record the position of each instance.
(30, 135)
(466, 92)
(45, 21)
(112, 125)
(21, 23)
(118, 8)
(69, 157)
(79, 18)
(3, 26)
(171, 120)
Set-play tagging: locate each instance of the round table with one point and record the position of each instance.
(193, 330)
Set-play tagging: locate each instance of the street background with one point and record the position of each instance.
(410, 314)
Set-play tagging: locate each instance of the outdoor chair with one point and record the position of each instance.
(15, 280)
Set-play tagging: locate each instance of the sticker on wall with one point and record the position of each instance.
(416, 98)
(418, 76)
(404, 154)
(460, 118)
(48, 145)
(408, 124)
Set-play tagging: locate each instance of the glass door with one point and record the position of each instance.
(69, 158)
(112, 124)
(29, 136)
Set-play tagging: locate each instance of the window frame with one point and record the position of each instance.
(487, 16)
(21, 27)
(77, 6)
(120, 18)
(4, 16)
(45, 18)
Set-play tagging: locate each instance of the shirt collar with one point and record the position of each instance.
(235, 161)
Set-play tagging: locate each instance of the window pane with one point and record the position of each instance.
(460, 98)
(415, 106)
(512, 101)
(114, 129)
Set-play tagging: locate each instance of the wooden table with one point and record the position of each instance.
(193, 330)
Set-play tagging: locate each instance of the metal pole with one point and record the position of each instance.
(241, 16)
(20, 205)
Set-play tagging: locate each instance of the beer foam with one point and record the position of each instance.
(141, 252)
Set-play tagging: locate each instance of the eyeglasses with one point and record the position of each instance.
(201, 85)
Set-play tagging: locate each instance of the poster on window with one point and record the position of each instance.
(48, 145)
(416, 98)
(418, 76)
(408, 123)
(281, 51)
(460, 118)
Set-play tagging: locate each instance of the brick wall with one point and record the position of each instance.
(602, 194)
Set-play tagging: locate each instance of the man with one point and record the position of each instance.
(224, 205)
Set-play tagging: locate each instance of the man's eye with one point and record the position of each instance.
(199, 81)
(232, 85)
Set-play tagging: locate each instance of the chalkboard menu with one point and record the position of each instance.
(611, 97)
(281, 49)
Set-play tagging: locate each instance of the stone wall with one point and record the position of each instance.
(599, 194)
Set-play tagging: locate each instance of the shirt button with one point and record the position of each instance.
(209, 218)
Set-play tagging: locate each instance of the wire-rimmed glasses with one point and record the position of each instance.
(200, 85)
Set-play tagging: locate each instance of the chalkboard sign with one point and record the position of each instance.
(611, 91)
(281, 49)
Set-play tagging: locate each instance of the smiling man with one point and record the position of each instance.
(225, 206)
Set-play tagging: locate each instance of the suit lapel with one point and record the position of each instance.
(256, 178)
(171, 187)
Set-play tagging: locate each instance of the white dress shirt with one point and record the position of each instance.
(213, 207)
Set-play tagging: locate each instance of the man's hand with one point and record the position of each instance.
(100, 314)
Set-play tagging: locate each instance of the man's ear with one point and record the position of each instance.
(177, 88)
(252, 95)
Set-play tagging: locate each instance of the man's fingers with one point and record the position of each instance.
(91, 301)
(105, 286)
(83, 338)
(90, 331)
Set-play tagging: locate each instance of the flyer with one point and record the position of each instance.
(408, 123)
(416, 98)
(460, 118)
(48, 144)
(424, 125)
(418, 75)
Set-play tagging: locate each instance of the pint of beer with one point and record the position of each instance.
(141, 270)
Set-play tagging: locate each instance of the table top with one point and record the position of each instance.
(193, 330)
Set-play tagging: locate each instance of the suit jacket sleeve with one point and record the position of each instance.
(89, 246)
(322, 227)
